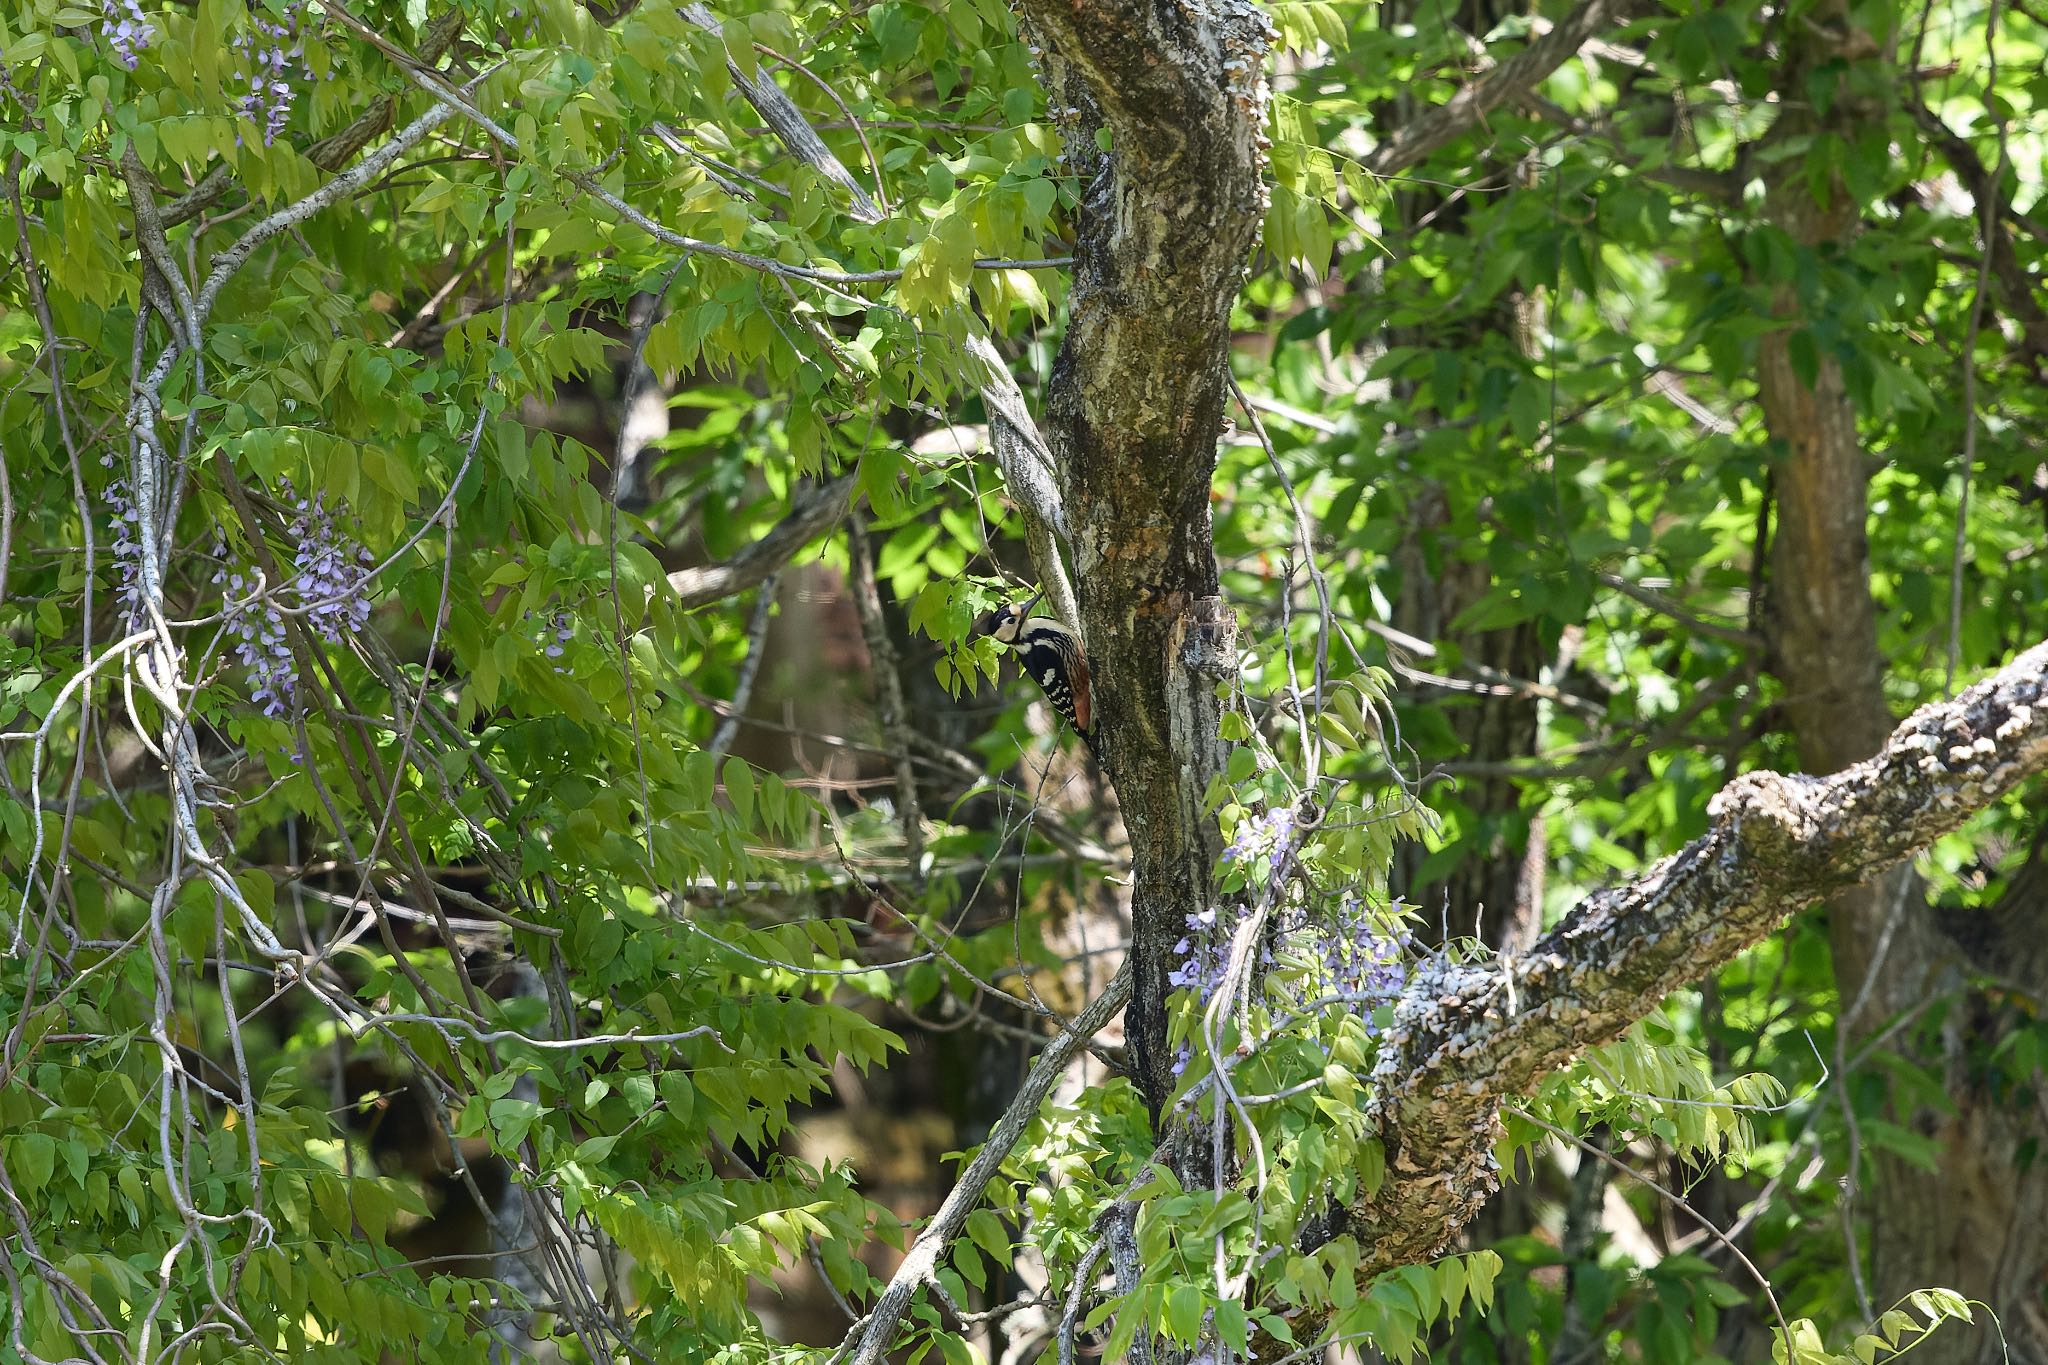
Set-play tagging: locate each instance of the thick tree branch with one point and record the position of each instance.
(1466, 1038)
(814, 513)
(1520, 73)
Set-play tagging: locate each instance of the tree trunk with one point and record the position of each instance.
(1133, 414)
(1977, 1221)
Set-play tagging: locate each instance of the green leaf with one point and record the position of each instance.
(739, 789)
(987, 1232)
(1185, 1305)
(35, 1161)
(596, 1149)
(509, 441)
(1480, 1269)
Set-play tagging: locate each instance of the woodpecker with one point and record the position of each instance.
(1051, 654)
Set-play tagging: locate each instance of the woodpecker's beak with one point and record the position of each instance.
(1032, 601)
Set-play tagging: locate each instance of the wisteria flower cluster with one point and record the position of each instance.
(1358, 962)
(127, 30)
(270, 49)
(1353, 960)
(552, 633)
(259, 636)
(333, 572)
(1272, 834)
(561, 629)
(331, 585)
(126, 548)
(1202, 953)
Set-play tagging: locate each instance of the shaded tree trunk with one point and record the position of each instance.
(1978, 1220)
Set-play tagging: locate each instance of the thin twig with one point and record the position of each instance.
(1601, 1154)
(867, 602)
(750, 668)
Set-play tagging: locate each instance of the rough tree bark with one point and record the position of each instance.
(1464, 1038)
(1978, 1220)
(1134, 411)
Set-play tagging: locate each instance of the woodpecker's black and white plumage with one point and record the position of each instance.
(1051, 655)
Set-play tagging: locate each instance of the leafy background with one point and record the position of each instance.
(1514, 390)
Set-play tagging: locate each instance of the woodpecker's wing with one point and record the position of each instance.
(1053, 659)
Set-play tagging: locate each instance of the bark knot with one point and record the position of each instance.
(1773, 814)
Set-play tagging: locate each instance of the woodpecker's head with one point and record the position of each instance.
(1005, 622)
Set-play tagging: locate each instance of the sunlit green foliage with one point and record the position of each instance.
(531, 700)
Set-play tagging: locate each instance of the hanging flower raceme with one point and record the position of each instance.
(333, 577)
(1360, 963)
(331, 588)
(1345, 957)
(270, 48)
(258, 628)
(126, 548)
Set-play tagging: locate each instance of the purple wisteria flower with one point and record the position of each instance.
(561, 629)
(1358, 961)
(270, 49)
(552, 633)
(332, 588)
(333, 572)
(258, 629)
(127, 30)
(1280, 829)
(1203, 953)
(1273, 834)
(1352, 960)
(1201, 957)
(126, 549)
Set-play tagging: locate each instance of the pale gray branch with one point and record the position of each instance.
(813, 514)
(1028, 471)
(871, 1336)
(894, 717)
